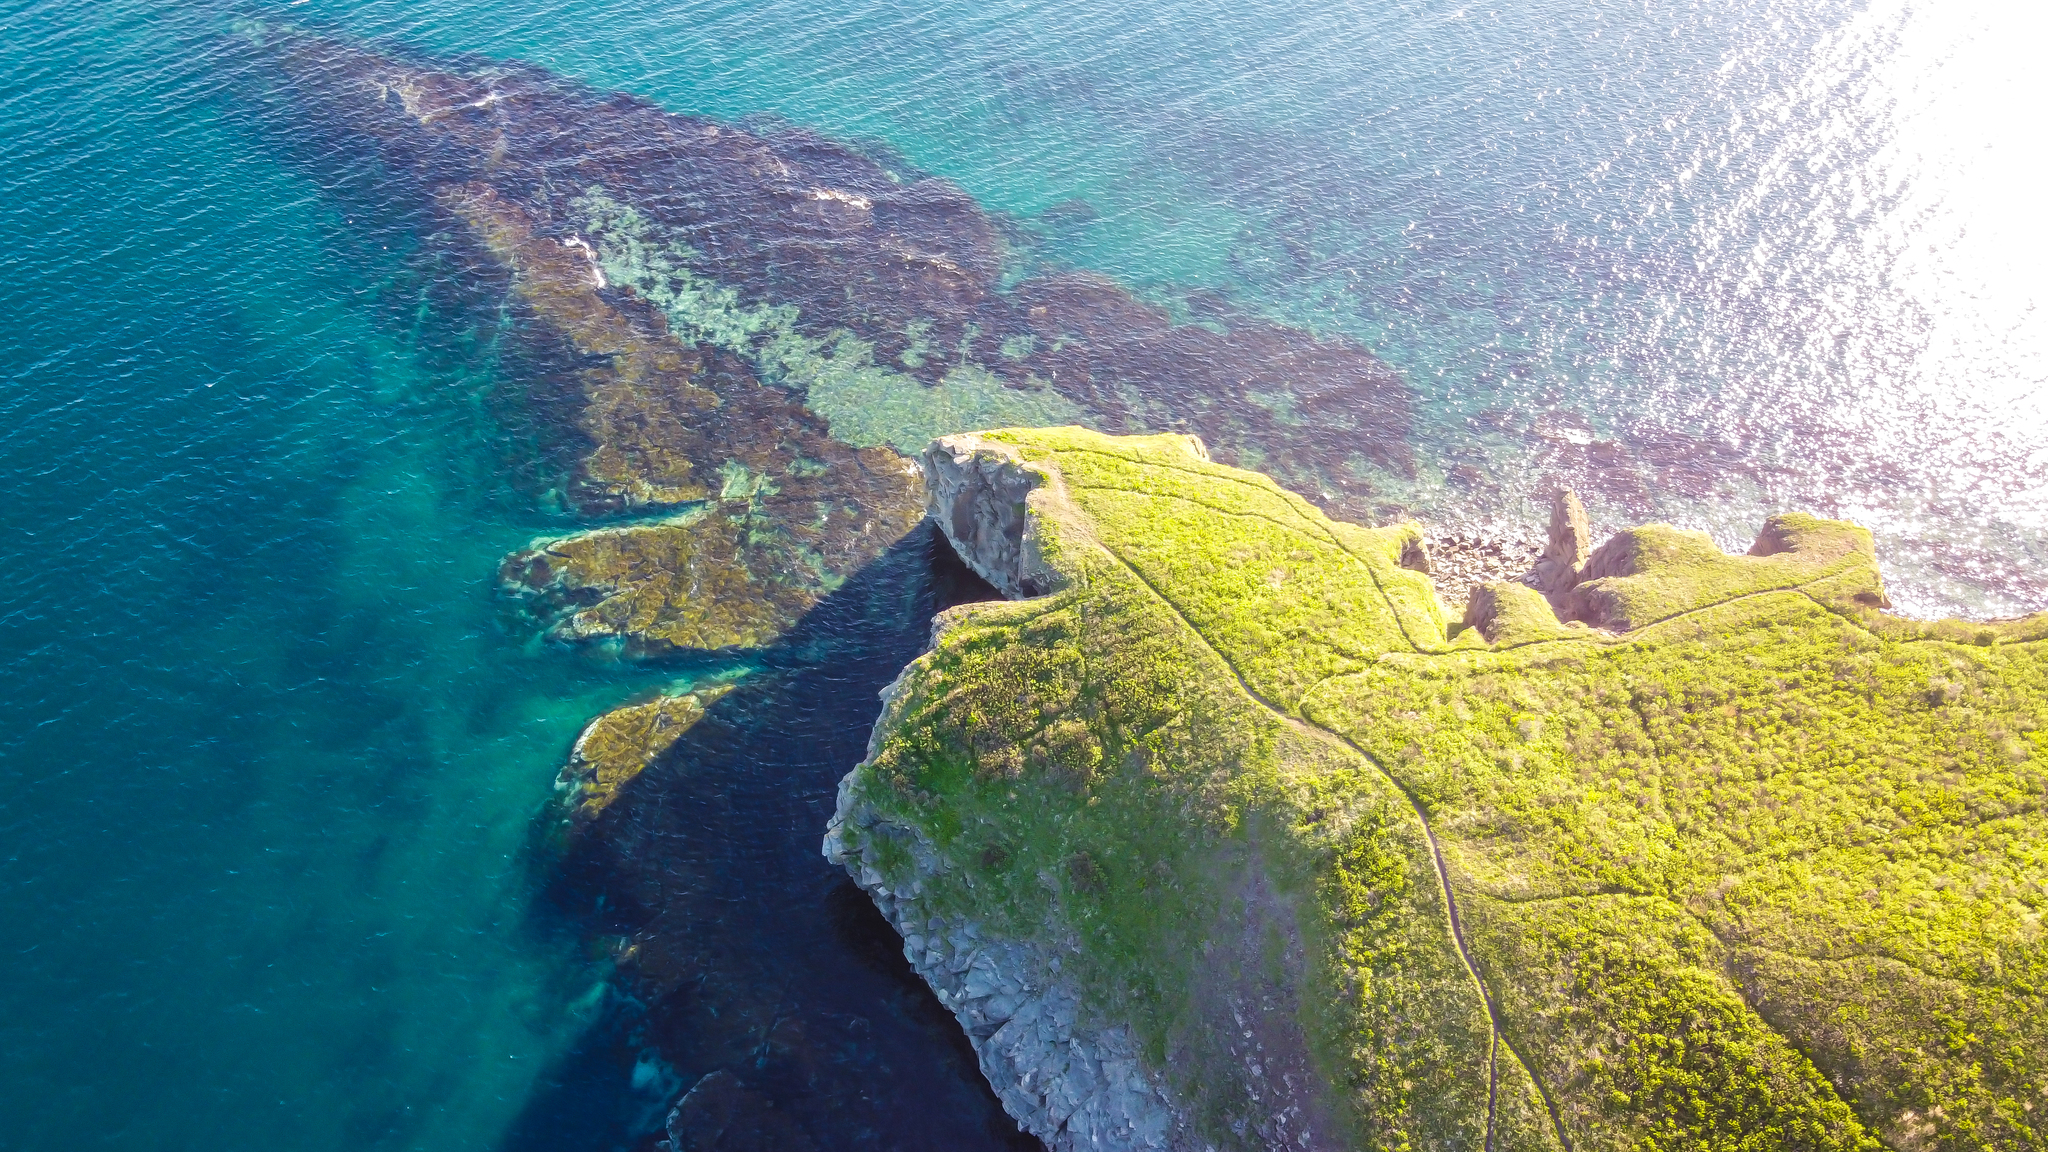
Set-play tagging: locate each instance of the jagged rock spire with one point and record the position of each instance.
(1569, 545)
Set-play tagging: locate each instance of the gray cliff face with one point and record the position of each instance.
(1074, 1083)
(978, 493)
(981, 494)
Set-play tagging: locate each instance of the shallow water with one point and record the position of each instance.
(277, 747)
(1756, 255)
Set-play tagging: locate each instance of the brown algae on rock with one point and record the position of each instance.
(618, 745)
(872, 296)
(1749, 864)
(787, 510)
(719, 579)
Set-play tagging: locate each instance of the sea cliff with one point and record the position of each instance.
(1224, 833)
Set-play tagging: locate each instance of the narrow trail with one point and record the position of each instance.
(1492, 1087)
(1493, 1012)
(1302, 719)
(1495, 1022)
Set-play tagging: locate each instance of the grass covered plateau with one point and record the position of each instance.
(1752, 865)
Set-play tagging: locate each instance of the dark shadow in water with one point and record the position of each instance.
(776, 996)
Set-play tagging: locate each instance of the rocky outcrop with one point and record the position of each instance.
(1027, 983)
(978, 493)
(619, 745)
(1565, 550)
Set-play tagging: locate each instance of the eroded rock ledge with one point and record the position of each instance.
(1230, 837)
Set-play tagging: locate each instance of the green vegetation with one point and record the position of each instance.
(1766, 869)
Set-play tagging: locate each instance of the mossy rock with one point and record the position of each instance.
(1739, 862)
(770, 512)
(617, 746)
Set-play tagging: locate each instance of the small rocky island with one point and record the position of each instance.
(1221, 833)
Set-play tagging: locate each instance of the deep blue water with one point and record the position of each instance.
(274, 748)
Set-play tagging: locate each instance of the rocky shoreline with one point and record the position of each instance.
(1242, 825)
(1460, 560)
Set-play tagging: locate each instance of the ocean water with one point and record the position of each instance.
(276, 750)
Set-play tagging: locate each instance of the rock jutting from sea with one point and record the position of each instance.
(1223, 833)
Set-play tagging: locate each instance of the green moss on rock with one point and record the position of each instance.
(1744, 864)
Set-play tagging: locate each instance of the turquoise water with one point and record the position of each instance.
(1780, 253)
(275, 747)
(272, 752)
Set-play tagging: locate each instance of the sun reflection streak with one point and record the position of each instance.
(1870, 289)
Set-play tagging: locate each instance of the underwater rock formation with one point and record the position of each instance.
(756, 318)
(785, 510)
(1733, 860)
(620, 744)
(718, 579)
(760, 974)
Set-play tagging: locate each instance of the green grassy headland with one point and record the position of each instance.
(1756, 866)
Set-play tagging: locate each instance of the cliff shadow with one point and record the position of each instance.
(758, 988)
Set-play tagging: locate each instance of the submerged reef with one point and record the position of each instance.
(1231, 836)
(782, 511)
(750, 327)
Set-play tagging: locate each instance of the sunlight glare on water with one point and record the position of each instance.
(1967, 88)
(1938, 250)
